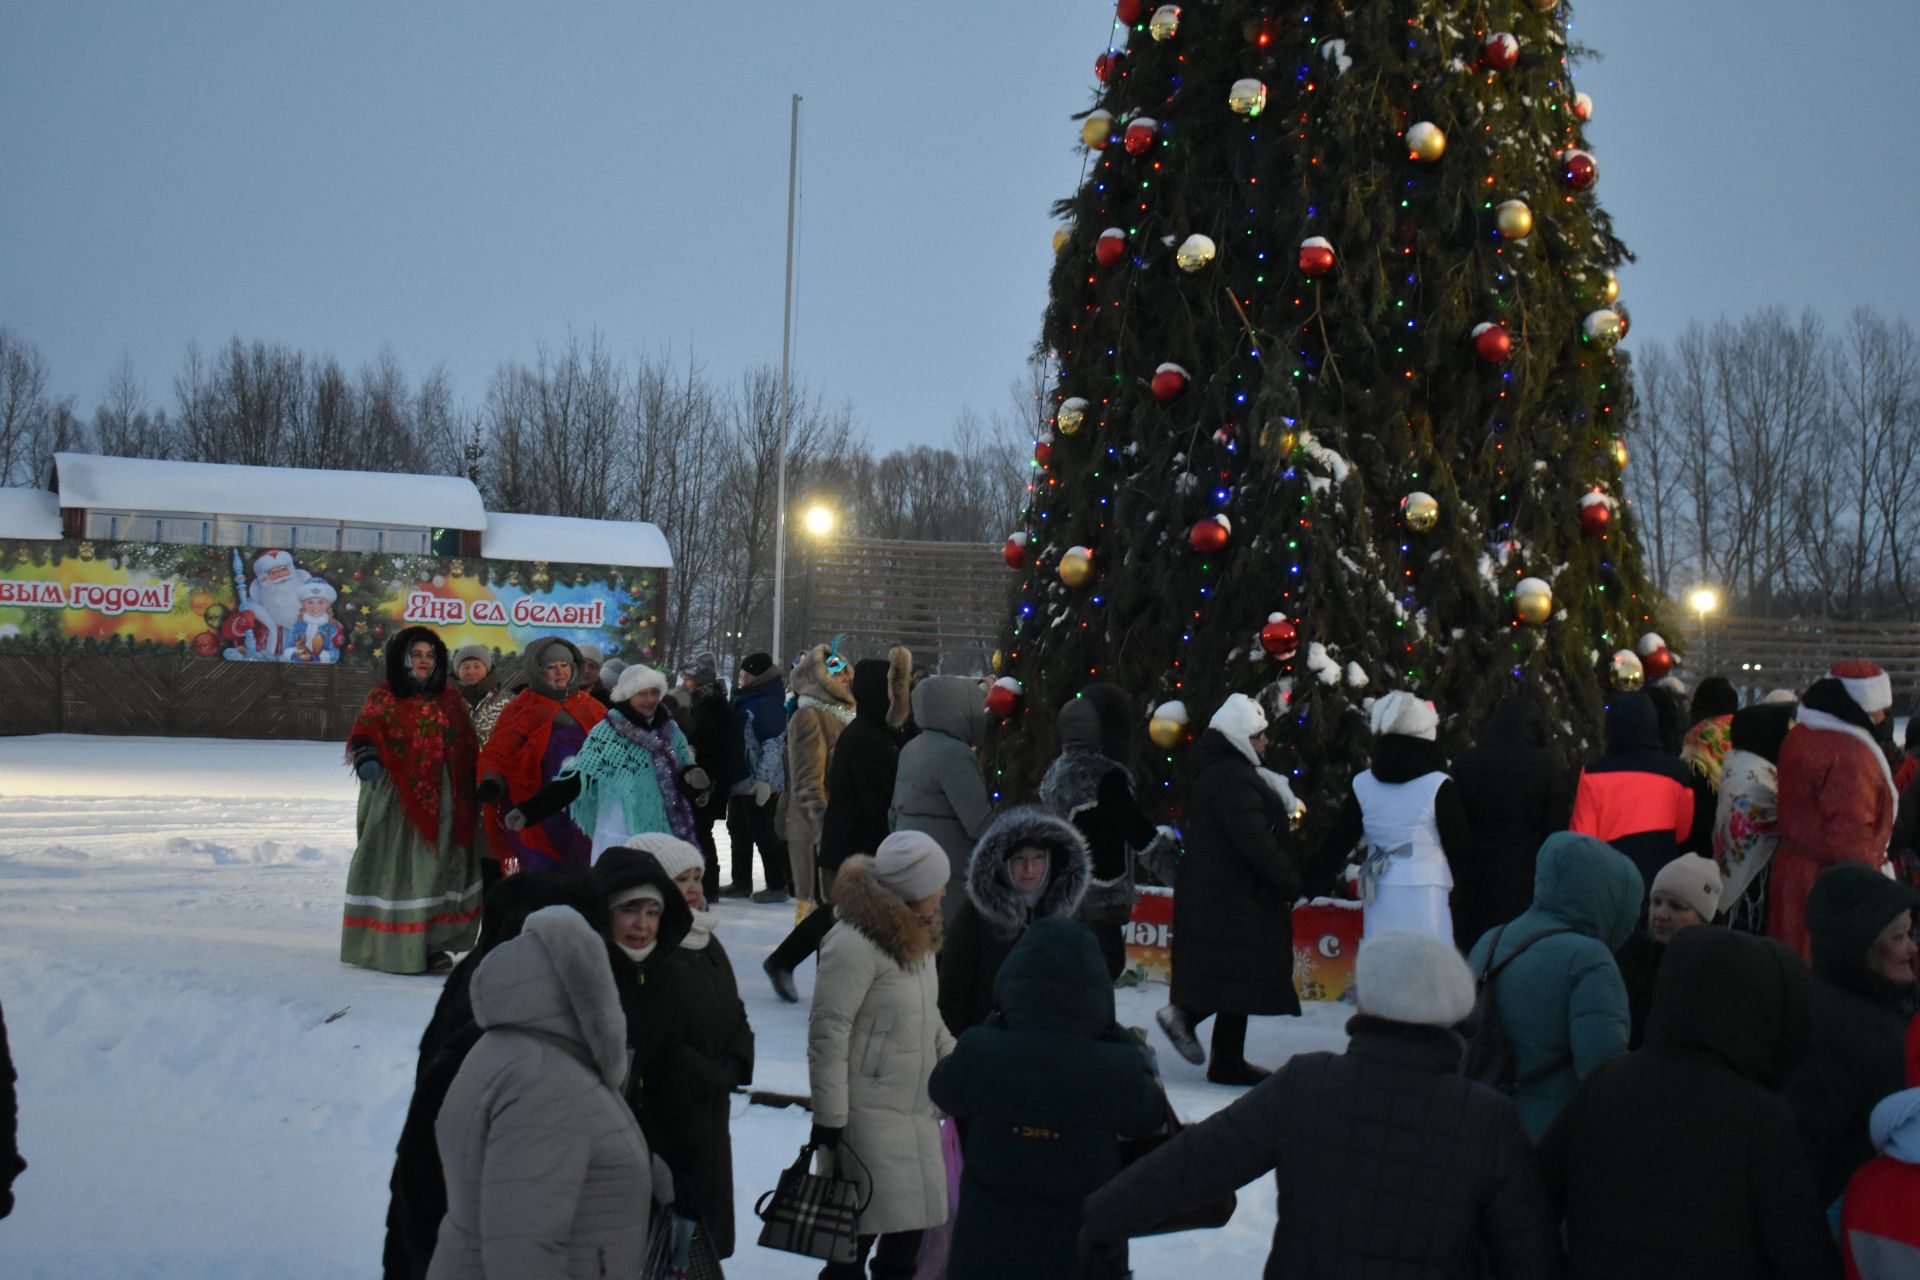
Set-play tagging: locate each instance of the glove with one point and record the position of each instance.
(514, 820)
(694, 778)
(370, 770)
(762, 792)
(827, 1137)
(491, 788)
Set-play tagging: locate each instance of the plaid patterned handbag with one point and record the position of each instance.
(813, 1214)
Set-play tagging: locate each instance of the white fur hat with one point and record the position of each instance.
(1404, 976)
(1239, 718)
(1400, 712)
(636, 679)
(1865, 683)
(316, 590)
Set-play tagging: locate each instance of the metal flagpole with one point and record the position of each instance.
(786, 399)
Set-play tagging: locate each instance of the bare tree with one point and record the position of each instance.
(24, 406)
(124, 424)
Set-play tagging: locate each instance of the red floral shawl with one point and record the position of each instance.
(416, 736)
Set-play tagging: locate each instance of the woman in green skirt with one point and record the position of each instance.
(413, 889)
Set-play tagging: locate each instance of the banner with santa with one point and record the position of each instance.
(273, 604)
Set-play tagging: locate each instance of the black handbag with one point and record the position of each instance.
(1214, 1213)
(813, 1214)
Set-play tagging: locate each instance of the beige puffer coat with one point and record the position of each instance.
(872, 1042)
(547, 1175)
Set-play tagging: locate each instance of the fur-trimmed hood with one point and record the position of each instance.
(810, 679)
(1001, 906)
(397, 678)
(860, 903)
(555, 980)
(539, 653)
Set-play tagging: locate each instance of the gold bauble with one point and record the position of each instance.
(1603, 327)
(999, 661)
(1426, 141)
(1076, 567)
(1168, 727)
(1618, 452)
(1514, 219)
(1097, 130)
(1195, 253)
(1287, 441)
(1610, 290)
(1071, 415)
(1297, 816)
(1165, 23)
(1062, 236)
(1626, 672)
(1422, 511)
(1248, 97)
(1532, 601)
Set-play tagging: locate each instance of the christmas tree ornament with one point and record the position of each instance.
(1617, 451)
(1127, 12)
(1655, 656)
(1248, 97)
(1062, 237)
(1583, 106)
(1003, 699)
(86, 551)
(206, 644)
(1501, 51)
(1109, 65)
(1015, 552)
(1316, 256)
(1195, 253)
(1071, 415)
(1578, 172)
(1169, 383)
(1596, 514)
(1514, 219)
(1491, 343)
(1142, 133)
(1280, 637)
(1097, 131)
(1603, 327)
(1111, 247)
(1209, 536)
(1421, 511)
(998, 662)
(1167, 728)
(1043, 450)
(1076, 567)
(1625, 671)
(1610, 290)
(1426, 142)
(1532, 601)
(1165, 23)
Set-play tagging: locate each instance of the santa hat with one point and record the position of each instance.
(1865, 683)
(637, 679)
(270, 559)
(1402, 713)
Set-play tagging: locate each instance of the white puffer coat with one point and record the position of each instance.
(547, 1175)
(872, 1042)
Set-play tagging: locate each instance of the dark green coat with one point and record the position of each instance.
(1047, 1086)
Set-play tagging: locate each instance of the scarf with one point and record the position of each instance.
(701, 934)
(637, 954)
(603, 760)
(417, 737)
(1706, 747)
(839, 711)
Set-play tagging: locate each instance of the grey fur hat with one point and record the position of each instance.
(1404, 976)
(991, 892)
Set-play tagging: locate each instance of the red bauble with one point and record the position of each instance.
(1658, 664)
(1501, 51)
(1015, 552)
(1280, 638)
(1169, 383)
(1492, 343)
(1209, 536)
(1003, 699)
(206, 644)
(1111, 248)
(1109, 64)
(1578, 171)
(1129, 11)
(1316, 257)
(239, 625)
(1043, 452)
(1141, 135)
(1596, 514)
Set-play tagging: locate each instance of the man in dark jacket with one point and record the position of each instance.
(1681, 1160)
(709, 729)
(1637, 798)
(1233, 899)
(1516, 794)
(860, 775)
(1388, 1162)
(1863, 993)
(757, 777)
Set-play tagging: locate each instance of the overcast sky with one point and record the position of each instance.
(465, 180)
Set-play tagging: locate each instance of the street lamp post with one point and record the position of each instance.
(1703, 601)
(786, 396)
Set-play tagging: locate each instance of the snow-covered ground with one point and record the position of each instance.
(207, 1092)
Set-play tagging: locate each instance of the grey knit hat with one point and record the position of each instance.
(911, 865)
(478, 652)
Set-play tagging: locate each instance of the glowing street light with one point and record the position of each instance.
(1703, 601)
(818, 520)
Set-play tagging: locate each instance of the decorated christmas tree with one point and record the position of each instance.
(1337, 405)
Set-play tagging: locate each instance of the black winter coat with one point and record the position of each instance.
(1515, 795)
(860, 775)
(1233, 892)
(1639, 961)
(709, 730)
(1389, 1165)
(1681, 1160)
(687, 1119)
(1048, 1085)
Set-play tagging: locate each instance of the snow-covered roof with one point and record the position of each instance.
(143, 484)
(569, 540)
(29, 513)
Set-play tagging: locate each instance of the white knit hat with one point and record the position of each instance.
(673, 854)
(1400, 712)
(1692, 879)
(637, 679)
(1404, 976)
(1865, 683)
(636, 891)
(911, 865)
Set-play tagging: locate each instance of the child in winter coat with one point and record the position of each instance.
(1880, 1223)
(1047, 1086)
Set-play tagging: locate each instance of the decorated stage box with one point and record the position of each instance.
(1326, 934)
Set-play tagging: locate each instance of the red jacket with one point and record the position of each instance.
(1836, 805)
(1880, 1221)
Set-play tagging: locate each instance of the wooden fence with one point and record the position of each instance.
(947, 601)
(179, 696)
(1791, 653)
